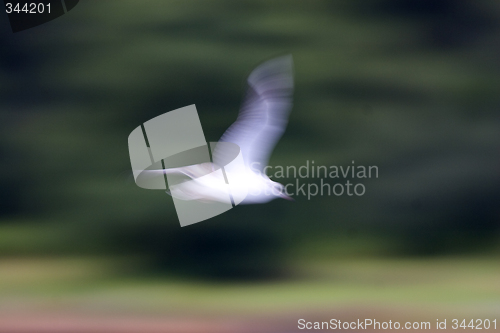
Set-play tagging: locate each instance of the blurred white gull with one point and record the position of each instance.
(260, 124)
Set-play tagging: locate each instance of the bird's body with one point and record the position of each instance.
(260, 124)
(253, 186)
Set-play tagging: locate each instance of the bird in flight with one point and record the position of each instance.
(260, 124)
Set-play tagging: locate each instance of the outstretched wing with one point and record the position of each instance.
(264, 114)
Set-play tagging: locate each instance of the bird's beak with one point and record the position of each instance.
(284, 196)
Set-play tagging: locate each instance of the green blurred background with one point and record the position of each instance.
(409, 86)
